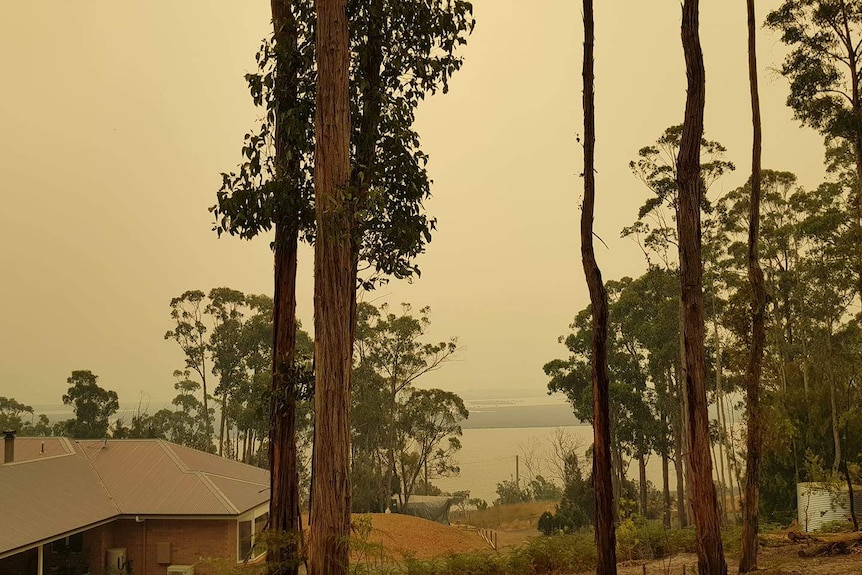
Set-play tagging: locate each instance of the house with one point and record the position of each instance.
(74, 507)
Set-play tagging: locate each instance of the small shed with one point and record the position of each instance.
(429, 507)
(820, 503)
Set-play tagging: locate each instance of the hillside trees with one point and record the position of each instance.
(226, 308)
(228, 334)
(634, 427)
(93, 406)
(22, 418)
(187, 312)
(396, 428)
(428, 429)
(655, 232)
(824, 67)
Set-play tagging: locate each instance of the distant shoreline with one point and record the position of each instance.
(484, 414)
(511, 416)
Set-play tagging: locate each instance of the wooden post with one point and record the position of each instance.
(517, 482)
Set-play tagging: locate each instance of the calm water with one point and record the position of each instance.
(487, 457)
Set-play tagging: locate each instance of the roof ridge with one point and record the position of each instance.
(83, 455)
(213, 455)
(220, 476)
(217, 492)
(169, 451)
(223, 499)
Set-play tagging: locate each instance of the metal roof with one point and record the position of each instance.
(73, 485)
(43, 498)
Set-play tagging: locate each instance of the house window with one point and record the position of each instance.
(260, 523)
(71, 544)
(246, 540)
(249, 528)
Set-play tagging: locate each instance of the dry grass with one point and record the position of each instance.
(395, 537)
(514, 517)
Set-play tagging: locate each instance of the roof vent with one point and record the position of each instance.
(9, 444)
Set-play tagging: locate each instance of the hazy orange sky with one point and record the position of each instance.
(117, 118)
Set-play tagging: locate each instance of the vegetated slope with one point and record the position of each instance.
(402, 536)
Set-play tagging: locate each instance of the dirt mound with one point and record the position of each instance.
(402, 536)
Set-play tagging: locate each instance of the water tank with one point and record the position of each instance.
(116, 559)
(820, 503)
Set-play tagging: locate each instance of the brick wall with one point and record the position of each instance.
(97, 541)
(193, 542)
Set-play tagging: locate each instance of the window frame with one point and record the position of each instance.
(250, 516)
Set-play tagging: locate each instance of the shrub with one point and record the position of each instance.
(509, 492)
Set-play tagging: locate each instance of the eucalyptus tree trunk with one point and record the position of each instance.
(704, 503)
(751, 503)
(334, 292)
(221, 421)
(684, 487)
(362, 178)
(679, 455)
(602, 480)
(830, 374)
(284, 503)
(718, 394)
(665, 484)
(642, 483)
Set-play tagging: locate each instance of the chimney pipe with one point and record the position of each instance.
(9, 441)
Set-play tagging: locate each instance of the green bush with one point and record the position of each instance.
(641, 539)
(560, 553)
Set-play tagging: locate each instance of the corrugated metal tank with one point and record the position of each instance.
(818, 504)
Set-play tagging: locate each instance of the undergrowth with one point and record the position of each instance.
(576, 552)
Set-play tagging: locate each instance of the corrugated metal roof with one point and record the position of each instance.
(215, 465)
(76, 484)
(30, 450)
(40, 499)
(243, 494)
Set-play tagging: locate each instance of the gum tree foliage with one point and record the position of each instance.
(185, 424)
(824, 68)
(93, 406)
(228, 334)
(402, 52)
(655, 232)
(655, 228)
(190, 333)
(226, 308)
